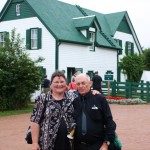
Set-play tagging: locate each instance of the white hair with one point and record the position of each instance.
(84, 75)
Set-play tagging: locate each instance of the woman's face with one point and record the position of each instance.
(58, 85)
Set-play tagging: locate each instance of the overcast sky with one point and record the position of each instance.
(138, 10)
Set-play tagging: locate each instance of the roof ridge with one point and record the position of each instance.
(81, 10)
(107, 38)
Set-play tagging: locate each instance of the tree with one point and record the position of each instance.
(147, 59)
(19, 75)
(133, 66)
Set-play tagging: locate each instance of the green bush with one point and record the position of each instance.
(132, 66)
(19, 75)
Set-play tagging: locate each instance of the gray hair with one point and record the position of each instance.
(85, 75)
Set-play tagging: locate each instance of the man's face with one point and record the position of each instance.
(83, 84)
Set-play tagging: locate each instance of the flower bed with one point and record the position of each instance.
(123, 100)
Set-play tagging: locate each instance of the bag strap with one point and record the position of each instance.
(44, 109)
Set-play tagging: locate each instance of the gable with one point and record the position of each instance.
(25, 11)
(114, 21)
(124, 27)
(101, 19)
(58, 19)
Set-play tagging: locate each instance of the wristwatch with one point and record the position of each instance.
(107, 142)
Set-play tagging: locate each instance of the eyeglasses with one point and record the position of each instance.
(81, 83)
(62, 82)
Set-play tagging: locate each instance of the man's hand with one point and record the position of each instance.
(104, 147)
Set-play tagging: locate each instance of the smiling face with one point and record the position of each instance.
(58, 85)
(83, 84)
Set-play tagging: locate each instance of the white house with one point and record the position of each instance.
(70, 37)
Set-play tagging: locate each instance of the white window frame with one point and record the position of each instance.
(34, 38)
(2, 39)
(17, 9)
(92, 39)
(129, 48)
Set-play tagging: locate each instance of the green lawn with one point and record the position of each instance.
(17, 112)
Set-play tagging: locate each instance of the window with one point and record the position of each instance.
(129, 48)
(2, 39)
(42, 72)
(92, 39)
(80, 70)
(91, 36)
(33, 38)
(18, 10)
(119, 42)
(3, 36)
(91, 74)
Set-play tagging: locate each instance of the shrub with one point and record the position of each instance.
(19, 75)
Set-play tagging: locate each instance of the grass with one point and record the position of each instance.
(17, 112)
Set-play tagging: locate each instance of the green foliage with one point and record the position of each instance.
(147, 59)
(19, 75)
(132, 66)
(28, 109)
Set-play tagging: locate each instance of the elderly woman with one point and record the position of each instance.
(52, 116)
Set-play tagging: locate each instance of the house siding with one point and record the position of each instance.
(48, 42)
(80, 57)
(25, 12)
(125, 37)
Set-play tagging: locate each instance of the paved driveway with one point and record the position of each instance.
(133, 128)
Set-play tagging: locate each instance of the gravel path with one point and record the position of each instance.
(133, 128)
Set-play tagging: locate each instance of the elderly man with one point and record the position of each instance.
(95, 128)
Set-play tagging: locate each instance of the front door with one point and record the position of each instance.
(70, 72)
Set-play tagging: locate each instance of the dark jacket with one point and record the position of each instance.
(100, 124)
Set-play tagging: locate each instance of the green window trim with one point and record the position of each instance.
(129, 48)
(119, 42)
(28, 39)
(4, 37)
(42, 72)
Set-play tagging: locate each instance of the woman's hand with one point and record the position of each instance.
(94, 92)
(35, 146)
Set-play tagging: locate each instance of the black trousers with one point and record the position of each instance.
(95, 146)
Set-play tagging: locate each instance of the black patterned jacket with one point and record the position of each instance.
(51, 114)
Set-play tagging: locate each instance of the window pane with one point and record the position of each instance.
(2, 40)
(92, 39)
(33, 44)
(129, 48)
(34, 34)
(34, 38)
(18, 10)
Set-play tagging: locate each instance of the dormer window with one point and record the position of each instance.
(92, 38)
(18, 10)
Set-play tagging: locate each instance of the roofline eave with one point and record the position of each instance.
(4, 9)
(134, 34)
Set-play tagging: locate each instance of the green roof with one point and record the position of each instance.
(114, 20)
(58, 18)
(83, 22)
(64, 21)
